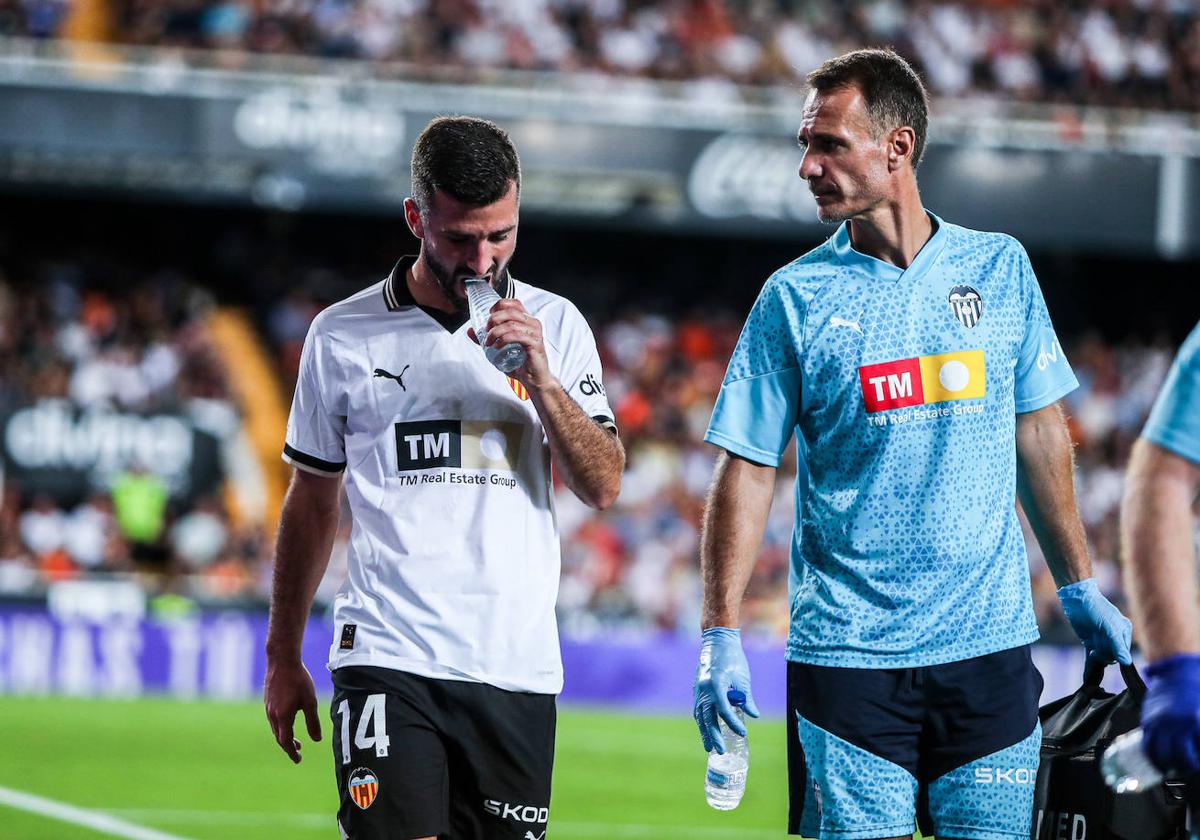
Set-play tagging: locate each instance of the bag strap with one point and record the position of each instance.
(1093, 674)
(1133, 681)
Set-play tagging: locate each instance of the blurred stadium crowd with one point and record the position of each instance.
(1136, 53)
(632, 567)
(143, 349)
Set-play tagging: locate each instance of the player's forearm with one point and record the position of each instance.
(735, 517)
(589, 457)
(1045, 484)
(307, 526)
(1158, 552)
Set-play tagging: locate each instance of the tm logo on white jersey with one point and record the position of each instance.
(458, 444)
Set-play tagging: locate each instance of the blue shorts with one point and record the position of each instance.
(952, 748)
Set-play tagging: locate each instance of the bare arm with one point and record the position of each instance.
(1045, 468)
(735, 517)
(1159, 555)
(588, 456)
(307, 527)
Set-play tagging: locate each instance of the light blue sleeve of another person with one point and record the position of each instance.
(755, 413)
(1043, 374)
(1174, 422)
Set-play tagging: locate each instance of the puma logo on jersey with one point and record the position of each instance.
(399, 377)
(835, 321)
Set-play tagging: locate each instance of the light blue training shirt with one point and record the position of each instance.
(1174, 422)
(902, 388)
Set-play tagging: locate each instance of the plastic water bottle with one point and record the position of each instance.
(1125, 766)
(481, 297)
(725, 779)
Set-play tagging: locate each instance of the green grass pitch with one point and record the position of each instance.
(212, 771)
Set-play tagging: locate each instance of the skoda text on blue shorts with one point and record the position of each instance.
(916, 366)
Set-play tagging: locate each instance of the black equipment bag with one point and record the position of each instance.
(1071, 801)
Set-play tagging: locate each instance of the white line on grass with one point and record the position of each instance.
(559, 827)
(180, 816)
(79, 816)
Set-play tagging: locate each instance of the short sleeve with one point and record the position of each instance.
(756, 409)
(315, 439)
(1174, 422)
(580, 371)
(1043, 374)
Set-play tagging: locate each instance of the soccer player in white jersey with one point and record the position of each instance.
(445, 654)
(1158, 533)
(915, 364)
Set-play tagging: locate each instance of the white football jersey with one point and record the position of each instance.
(454, 552)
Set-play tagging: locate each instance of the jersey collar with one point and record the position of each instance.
(881, 270)
(396, 295)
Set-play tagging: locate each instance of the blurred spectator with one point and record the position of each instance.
(199, 536)
(140, 504)
(233, 573)
(42, 526)
(90, 532)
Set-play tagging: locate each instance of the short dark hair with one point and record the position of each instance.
(469, 159)
(893, 91)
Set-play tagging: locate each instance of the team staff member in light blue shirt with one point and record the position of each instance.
(1158, 540)
(916, 365)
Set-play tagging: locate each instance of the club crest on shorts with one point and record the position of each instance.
(518, 388)
(364, 785)
(966, 304)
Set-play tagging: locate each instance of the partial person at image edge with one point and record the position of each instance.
(1158, 533)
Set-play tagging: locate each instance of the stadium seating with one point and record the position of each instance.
(1125, 53)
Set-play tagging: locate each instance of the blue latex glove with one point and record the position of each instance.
(1105, 633)
(723, 672)
(1171, 714)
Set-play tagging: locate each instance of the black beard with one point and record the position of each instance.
(446, 282)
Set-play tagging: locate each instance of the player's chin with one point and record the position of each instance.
(831, 212)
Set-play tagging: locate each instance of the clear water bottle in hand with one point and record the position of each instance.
(1125, 766)
(481, 297)
(725, 779)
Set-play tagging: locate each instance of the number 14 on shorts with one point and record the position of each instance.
(373, 720)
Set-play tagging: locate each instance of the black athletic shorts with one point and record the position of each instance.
(953, 746)
(440, 758)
